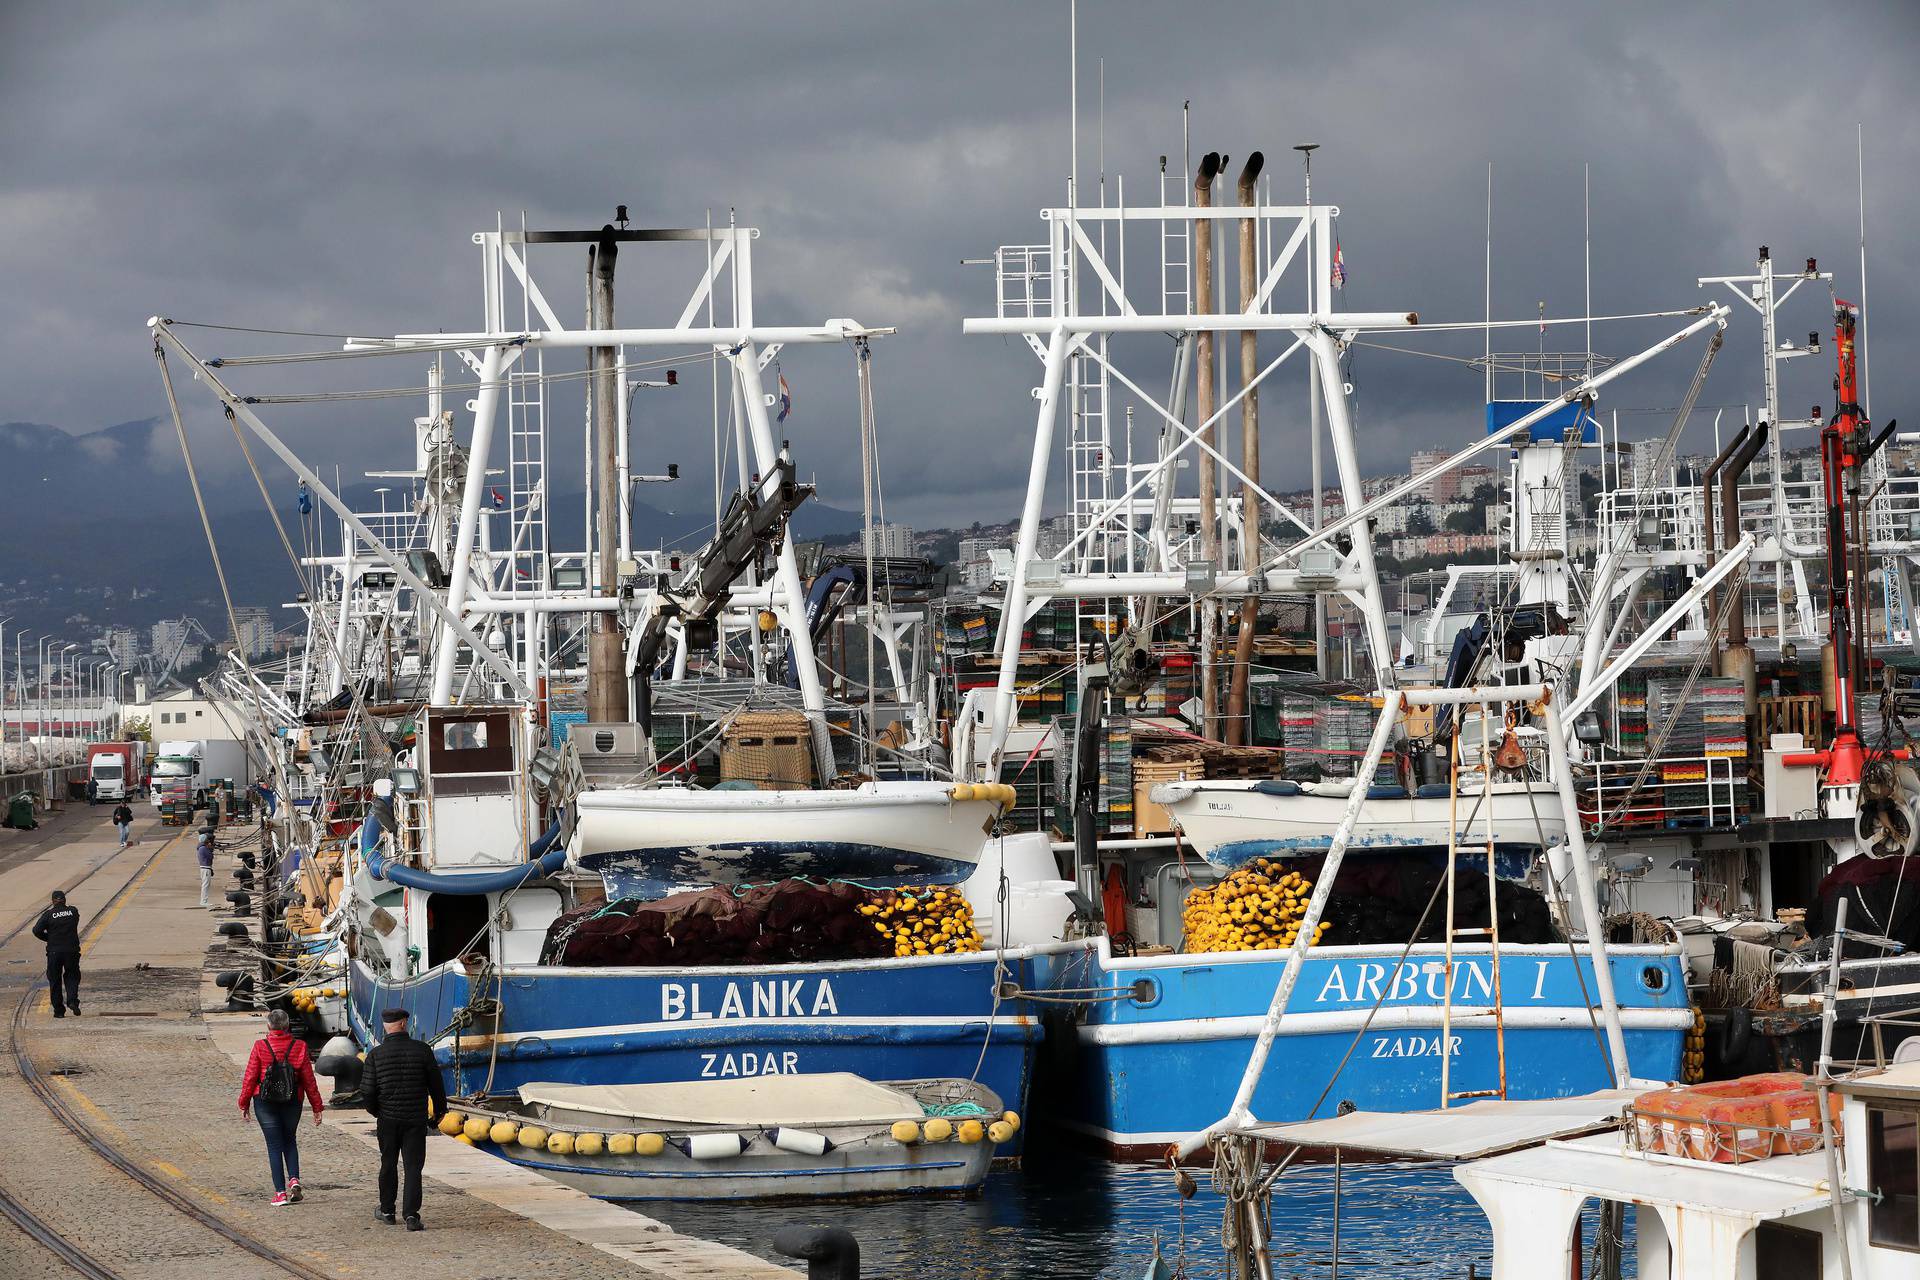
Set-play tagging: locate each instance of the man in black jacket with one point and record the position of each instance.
(402, 1090)
(59, 927)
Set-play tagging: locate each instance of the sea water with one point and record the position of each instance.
(1074, 1216)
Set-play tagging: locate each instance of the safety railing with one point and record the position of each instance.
(1669, 792)
(1023, 280)
(1797, 519)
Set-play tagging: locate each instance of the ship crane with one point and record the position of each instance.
(1857, 783)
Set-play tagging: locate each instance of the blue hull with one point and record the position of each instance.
(1136, 1075)
(881, 1019)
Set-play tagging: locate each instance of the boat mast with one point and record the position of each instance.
(606, 677)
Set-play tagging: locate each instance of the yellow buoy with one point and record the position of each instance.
(767, 621)
(477, 1128)
(938, 1129)
(589, 1144)
(999, 1131)
(1013, 1120)
(461, 1137)
(648, 1144)
(906, 1131)
(560, 1144)
(962, 791)
(620, 1144)
(970, 1131)
(503, 1132)
(452, 1122)
(533, 1137)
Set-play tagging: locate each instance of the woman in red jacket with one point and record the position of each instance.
(279, 1072)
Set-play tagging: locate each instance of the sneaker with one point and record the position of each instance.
(58, 1013)
(280, 1200)
(293, 1190)
(384, 1216)
(414, 1223)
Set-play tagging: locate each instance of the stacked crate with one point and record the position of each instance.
(1706, 720)
(1630, 713)
(1113, 807)
(1723, 712)
(1301, 726)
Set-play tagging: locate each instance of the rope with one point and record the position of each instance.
(213, 549)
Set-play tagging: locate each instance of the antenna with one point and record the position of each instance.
(1860, 165)
(1073, 106)
(1586, 201)
(1186, 150)
(1486, 290)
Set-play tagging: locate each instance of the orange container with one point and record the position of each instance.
(1731, 1121)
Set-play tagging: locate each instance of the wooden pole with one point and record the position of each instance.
(1238, 727)
(1206, 395)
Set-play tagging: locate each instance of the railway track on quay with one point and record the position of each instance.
(62, 1245)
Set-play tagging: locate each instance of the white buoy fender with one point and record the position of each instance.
(336, 1053)
(715, 1146)
(800, 1141)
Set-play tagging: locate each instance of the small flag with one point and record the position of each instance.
(1543, 317)
(499, 498)
(306, 500)
(1339, 272)
(786, 399)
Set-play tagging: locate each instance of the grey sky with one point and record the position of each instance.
(316, 166)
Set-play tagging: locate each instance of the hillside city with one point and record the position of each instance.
(1458, 517)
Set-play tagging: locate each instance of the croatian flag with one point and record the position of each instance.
(499, 498)
(1339, 272)
(786, 399)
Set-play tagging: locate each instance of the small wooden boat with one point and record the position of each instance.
(773, 1136)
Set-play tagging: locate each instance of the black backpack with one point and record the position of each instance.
(279, 1082)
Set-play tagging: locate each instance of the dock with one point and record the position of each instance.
(123, 1153)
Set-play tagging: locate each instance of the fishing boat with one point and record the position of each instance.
(1276, 905)
(883, 831)
(1230, 822)
(775, 1137)
(491, 746)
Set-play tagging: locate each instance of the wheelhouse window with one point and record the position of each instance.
(472, 744)
(1893, 1165)
(465, 735)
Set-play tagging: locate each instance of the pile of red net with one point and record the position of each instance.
(791, 920)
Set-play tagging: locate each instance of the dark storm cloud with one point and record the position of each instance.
(321, 166)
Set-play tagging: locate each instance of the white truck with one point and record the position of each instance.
(196, 765)
(176, 769)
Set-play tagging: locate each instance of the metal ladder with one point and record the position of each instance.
(1491, 931)
(1176, 251)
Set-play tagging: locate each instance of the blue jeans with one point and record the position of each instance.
(279, 1124)
(126, 828)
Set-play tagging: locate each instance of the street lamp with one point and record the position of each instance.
(65, 665)
(20, 687)
(91, 669)
(3, 690)
(46, 697)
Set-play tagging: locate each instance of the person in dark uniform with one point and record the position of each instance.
(59, 927)
(402, 1090)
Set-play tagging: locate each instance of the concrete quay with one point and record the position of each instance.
(151, 1071)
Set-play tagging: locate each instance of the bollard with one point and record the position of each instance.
(831, 1253)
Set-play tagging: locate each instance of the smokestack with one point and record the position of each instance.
(1237, 720)
(1706, 508)
(1206, 401)
(1736, 659)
